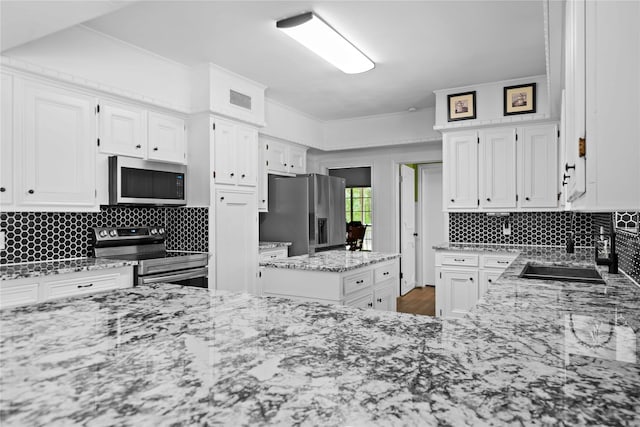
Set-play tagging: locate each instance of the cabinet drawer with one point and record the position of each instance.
(469, 260)
(497, 261)
(81, 286)
(356, 282)
(11, 296)
(386, 272)
(271, 254)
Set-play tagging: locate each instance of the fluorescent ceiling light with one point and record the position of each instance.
(315, 34)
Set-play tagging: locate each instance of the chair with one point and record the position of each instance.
(355, 235)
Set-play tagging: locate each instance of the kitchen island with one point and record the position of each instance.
(354, 278)
(530, 352)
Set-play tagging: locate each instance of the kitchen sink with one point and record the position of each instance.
(561, 273)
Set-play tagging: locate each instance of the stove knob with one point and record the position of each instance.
(154, 231)
(103, 233)
(161, 230)
(113, 233)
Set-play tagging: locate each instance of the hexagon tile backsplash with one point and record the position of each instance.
(527, 228)
(41, 236)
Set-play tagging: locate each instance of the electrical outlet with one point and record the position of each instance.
(506, 228)
(1, 240)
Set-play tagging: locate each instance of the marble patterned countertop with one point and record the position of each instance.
(272, 245)
(45, 268)
(530, 353)
(334, 261)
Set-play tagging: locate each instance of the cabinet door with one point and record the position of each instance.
(486, 278)
(461, 291)
(276, 157)
(166, 138)
(247, 156)
(538, 166)
(263, 179)
(225, 152)
(297, 160)
(122, 130)
(384, 298)
(236, 231)
(363, 302)
(58, 148)
(461, 169)
(6, 140)
(575, 93)
(497, 167)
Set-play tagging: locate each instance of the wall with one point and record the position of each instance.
(285, 123)
(489, 103)
(381, 130)
(83, 53)
(41, 236)
(384, 176)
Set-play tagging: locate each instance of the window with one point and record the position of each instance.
(358, 208)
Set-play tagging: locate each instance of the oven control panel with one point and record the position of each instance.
(113, 234)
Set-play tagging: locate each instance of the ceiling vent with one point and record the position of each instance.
(239, 99)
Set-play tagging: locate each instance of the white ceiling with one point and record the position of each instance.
(418, 47)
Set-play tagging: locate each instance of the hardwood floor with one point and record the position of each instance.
(419, 301)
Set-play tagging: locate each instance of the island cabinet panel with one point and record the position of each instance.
(364, 287)
(18, 292)
(462, 278)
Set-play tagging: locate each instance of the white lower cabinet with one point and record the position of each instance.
(273, 253)
(45, 288)
(372, 286)
(462, 278)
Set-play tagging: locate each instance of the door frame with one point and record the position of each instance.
(396, 214)
(423, 246)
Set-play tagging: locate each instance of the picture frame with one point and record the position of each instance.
(461, 106)
(520, 99)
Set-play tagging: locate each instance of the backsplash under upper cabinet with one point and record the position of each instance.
(41, 236)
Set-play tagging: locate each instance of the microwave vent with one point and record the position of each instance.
(240, 99)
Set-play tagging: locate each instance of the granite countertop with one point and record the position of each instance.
(45, 268)
(531, 352)
(334, 261)
(272, 245)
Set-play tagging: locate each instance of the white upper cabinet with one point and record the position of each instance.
(6, 141)
(297, 160)
(235, 154)
(127, 130)
(460, 158)
(57, 148)
(166, 138)
(602, 61)
(501, 169)
(538, 165)
(275, 154)
(122, 129)
(497, 167)
(247, 156)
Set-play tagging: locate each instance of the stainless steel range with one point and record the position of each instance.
(155, 263)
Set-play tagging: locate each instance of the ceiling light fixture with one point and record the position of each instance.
(316, 35)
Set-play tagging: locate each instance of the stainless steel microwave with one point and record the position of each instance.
(141, 182)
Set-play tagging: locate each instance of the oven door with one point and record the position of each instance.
(193, 277)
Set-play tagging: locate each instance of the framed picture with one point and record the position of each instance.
(520, 99)
(462, 106)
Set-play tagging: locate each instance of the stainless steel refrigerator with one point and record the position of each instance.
(306, 210)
